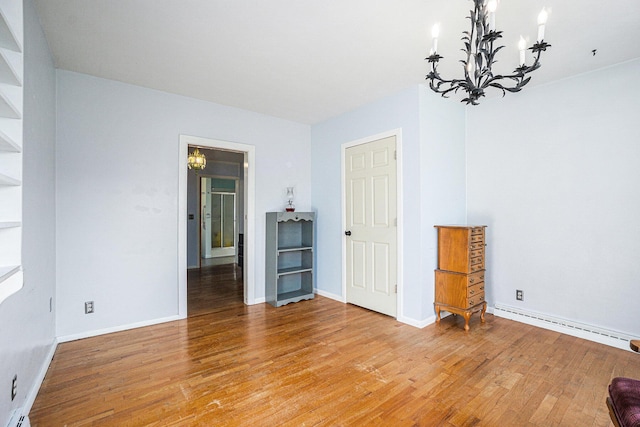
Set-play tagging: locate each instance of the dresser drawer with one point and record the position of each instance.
(477, 230)
(459, 290)
(475, 300)
(476, 267)
(477, 253)
(475, 290)
(477, 260)
(476, 245)
(477, 238)
(475, 278)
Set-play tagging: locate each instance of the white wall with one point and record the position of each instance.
(117, 194)
(442, 180)
(554, 172)
(424, 132)
(27, 331)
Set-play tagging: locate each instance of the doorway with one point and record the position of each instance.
(371, 200)
(219, 215)
(185, 218)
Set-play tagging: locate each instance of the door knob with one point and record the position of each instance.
(347, 233)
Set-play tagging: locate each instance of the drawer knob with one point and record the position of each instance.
(472, 292)
(471, 280)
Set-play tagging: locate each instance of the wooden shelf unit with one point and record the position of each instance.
(289, 257)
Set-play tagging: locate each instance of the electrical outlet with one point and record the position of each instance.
(88, 307)
(14, 387)
(519, 295)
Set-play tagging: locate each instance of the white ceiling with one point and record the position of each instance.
(309, 60)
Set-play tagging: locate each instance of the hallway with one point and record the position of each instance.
(214, 288)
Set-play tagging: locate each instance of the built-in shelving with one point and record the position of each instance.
(11, 100)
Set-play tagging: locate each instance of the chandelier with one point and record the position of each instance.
(196, 160)
(480, 56)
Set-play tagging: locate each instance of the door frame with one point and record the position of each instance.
(248, 272)
(399, 212)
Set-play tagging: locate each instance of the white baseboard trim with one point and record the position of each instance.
(417, 323)
(568, 327)
(258, 301)
(37, 383)
(88, 334)
(407, 320)
(330, 295)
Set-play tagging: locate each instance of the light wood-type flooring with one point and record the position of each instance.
(324, 363)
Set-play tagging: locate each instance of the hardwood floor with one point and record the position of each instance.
(321, 362)
(214, 288)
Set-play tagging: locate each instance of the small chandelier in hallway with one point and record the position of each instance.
(196, 160)
(480, 56)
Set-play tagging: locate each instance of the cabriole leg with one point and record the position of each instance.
(467, 316)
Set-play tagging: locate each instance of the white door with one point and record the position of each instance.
(370, 194)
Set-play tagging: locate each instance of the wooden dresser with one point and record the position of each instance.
(460, 274)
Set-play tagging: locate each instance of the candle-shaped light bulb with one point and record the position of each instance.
(492, 5)
(471, 68)
(522, 45)
(435, 32)
(542, 20)
(543, 16)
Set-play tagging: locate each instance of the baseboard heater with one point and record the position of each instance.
(580, 330)
(18, 420)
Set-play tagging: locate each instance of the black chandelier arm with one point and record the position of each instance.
(518, 75)
(445, 87)
(436, 81)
